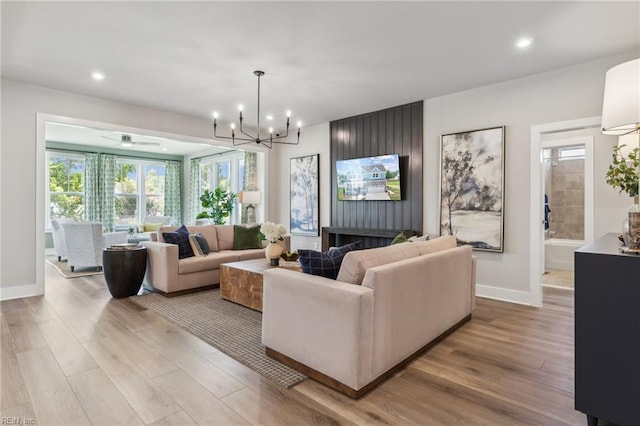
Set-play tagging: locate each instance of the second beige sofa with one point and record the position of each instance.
(387, 305)
(168, 274)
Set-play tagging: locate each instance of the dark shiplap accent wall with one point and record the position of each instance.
(393, 130)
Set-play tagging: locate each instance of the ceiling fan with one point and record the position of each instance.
(125, 140)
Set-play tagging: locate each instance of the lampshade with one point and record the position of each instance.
(249, 197)
(621, 103)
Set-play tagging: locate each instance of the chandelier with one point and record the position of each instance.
(245, 138)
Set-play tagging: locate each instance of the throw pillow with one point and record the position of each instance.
(199, 244)
(150, 227)
(202, 242)
(181, 238)
(246, 237)
(400, 238)
(325, 264)
(415, 238)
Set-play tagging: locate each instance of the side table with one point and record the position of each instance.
(124, 270)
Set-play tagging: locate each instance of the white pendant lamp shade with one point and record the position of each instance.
(621, 103)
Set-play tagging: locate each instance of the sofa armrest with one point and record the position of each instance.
(322, 323)
(162, 265)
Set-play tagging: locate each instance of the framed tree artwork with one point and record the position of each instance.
(305, 195)
(472, 188)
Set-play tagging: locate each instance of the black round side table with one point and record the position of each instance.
(124, 270)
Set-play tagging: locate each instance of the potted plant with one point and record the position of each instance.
(623, 175)
(218, 205)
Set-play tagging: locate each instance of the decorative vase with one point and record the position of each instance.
(273, 251)
(633, 239)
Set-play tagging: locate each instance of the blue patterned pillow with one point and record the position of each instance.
(181, 238)
(325, 264)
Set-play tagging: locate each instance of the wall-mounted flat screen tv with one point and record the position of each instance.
(369, 178)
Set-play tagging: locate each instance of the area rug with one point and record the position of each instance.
(64, 269)
(228, 327)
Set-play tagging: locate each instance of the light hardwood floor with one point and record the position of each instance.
(77, 356)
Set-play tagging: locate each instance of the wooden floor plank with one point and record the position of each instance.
(200, 404)
(51, 396)
(13, 388)
(144, 396)
(101, 400)
(213, 378)
(68, 351)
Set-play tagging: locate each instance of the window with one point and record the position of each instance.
(65, 192)
(572, 153)
(138, 183)
(225, 172)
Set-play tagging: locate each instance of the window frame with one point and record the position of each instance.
(141, 195)
(234, 159)
(47, 197)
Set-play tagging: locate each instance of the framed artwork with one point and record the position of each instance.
(305, 195)
(472, 188)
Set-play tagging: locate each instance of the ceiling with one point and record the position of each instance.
(323, 60)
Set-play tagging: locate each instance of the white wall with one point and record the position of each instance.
(565, 94)
(313, 140)
(19, 271)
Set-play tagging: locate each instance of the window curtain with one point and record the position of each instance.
(172, 201)
(107, 190)
(249, 183)
(92, 188)
(193, 199)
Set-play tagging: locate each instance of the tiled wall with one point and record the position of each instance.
(564, 185)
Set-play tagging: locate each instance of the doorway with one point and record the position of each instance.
(555, 136)
(567, 173)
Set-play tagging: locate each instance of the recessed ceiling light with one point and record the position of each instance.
(164, 149)
(97, 75)
(269, 117)
(524, 42)
(127, 144)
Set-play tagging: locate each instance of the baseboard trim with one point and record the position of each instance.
(20, 291)
(504, 294)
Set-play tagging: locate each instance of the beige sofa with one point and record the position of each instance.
(351, 337)
(170, 275)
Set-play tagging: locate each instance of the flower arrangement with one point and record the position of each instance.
(273, 232)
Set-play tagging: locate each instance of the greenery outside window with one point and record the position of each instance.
(138, 183)
(225, 172)
(65, 192)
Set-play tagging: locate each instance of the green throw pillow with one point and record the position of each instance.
(246, 237)
(400, 238)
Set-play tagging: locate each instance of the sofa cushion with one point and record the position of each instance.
(251, 254)
(181, 238)
(356, 263)
(437, 244)
(205, 263)
(246, 237)
(325, 264)
(225, 237)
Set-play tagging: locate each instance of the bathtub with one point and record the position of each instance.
(558, 253)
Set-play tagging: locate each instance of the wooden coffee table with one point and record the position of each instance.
(241, 282)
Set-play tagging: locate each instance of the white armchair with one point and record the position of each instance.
(57, 232)
(85, 242)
